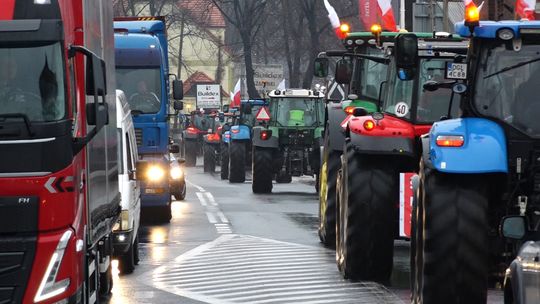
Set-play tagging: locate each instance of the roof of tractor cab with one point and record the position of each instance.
(295, 93)
(490, 29)
(358, 39)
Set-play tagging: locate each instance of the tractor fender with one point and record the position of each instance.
(390, 136)
(272, 142)
(484, 149)
(336, 116)
(241, 132)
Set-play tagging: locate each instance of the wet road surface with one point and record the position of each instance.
(227, 245)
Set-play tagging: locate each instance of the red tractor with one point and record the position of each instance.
(380, 148)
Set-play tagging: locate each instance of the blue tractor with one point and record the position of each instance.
(478, 198)
(238, 149)
(142, 72)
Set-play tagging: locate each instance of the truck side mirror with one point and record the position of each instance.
(514, 227)
(97, 116)
(343, 71)
(178, 105)
(178, 89)
(321, 67)
(175, 149)
(96, 79)
(406, 45)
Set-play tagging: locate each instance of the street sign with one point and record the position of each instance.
(267, 77)
(263, 114)
(208, 96)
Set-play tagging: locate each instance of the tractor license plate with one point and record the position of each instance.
(456, 70)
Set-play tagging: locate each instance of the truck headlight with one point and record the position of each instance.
(155, 173)
(49, 287)
(177, 173)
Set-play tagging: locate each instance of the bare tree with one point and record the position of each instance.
(247, 16)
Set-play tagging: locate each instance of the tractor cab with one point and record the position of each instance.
(296, 109)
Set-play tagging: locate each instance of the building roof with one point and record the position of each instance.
(204, 12)
(198, 77)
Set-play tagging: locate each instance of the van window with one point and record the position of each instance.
(130, 161)
(120, 152)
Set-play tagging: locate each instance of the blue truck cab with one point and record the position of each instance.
(142, 71)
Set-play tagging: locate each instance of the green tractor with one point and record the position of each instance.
(287, 143)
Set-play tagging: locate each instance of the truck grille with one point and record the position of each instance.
(138, 136)
(16, 258)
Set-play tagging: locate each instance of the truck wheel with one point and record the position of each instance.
(262, 171)
(209, 158)
(136, 258)
(106, 281)
(327, 198)
(190, 153)
(182, 194)
(370, 193)
(454, 265)
(126, 262)
(237, 162)
(224, 161)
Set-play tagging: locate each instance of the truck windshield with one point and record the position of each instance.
(32, 81)
(431, 106)
(296, 112)
(142, 86)
(507, 83)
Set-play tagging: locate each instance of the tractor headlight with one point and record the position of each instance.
(155, 173)
(177, 173)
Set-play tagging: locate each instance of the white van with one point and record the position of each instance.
(125, 239)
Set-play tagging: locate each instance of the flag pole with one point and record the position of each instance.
(402, 14)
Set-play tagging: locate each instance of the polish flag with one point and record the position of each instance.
(525, 8)
(334, 19)
(235, 95)
(387, 15)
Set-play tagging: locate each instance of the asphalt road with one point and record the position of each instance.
(227, 245)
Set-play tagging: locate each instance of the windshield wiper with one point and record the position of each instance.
(506, 69)
(24, 117)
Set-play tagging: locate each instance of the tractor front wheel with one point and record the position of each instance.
(327, 198)
(224, 161)
(190, 152)
(453, 266)
(237, 162)
(368, 216)
(262, 171)
(209, 158)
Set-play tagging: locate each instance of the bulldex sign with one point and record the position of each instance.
(209, 96)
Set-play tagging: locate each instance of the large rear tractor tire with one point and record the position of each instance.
(262, 171)
(237, 162)
(327, 198)
(368, 216)
(190, 153)
(453, 266)
(224, 161)
(209, 158)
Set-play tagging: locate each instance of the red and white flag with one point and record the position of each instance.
(525, 9)
(235, 95)
(334, 19)
(387, 15)
(368, 13)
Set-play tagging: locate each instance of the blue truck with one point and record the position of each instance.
(142, 72)
(479, 188)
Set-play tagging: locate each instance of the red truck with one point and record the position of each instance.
(59, 194)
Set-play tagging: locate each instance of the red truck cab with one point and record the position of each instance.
(59, 194)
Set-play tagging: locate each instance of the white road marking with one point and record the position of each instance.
(201, 198)
(236, 269)
(222, 217)
(211, 218)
